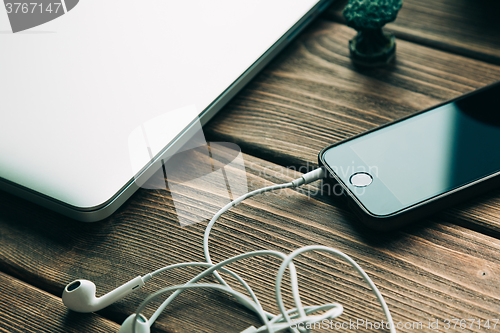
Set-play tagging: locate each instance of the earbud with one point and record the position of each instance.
(142, 325)
(79, 295)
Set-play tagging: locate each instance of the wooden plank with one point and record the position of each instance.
(427, 272)
(312, 97)
(481, 214)
(24, 308)
(469, 28)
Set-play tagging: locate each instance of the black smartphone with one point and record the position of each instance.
(415, 166)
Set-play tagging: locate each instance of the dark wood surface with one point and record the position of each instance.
(25, 308)
(444, 267)
(467, 27)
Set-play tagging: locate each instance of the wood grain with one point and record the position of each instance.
(24, 308)
(442, 268)
(312, 97)
(466, 27)
(481, 214)
(427, 272)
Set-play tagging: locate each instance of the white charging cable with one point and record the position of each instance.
(296, 319)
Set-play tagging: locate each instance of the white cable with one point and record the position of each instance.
(290, 319)
(239, 296)
(209, 271)
(367, 279)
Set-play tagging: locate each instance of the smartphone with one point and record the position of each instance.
(413, 167)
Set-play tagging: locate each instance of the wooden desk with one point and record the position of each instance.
(445, 267)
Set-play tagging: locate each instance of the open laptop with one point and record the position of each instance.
(93, 94)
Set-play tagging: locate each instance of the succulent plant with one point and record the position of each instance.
(371, 14)
(371, 46)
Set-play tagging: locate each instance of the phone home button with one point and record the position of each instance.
(361, 179)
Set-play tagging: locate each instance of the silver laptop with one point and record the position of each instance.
(94, 94)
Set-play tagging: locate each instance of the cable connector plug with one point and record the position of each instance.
(309, 177)
(146, 277)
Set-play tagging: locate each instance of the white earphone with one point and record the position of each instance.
(141, 324)
(80, 296)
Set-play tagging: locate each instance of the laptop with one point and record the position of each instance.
(94, 95)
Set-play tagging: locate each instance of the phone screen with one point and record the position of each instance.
(425, 155)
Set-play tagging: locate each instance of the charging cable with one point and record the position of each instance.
(296, 319)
